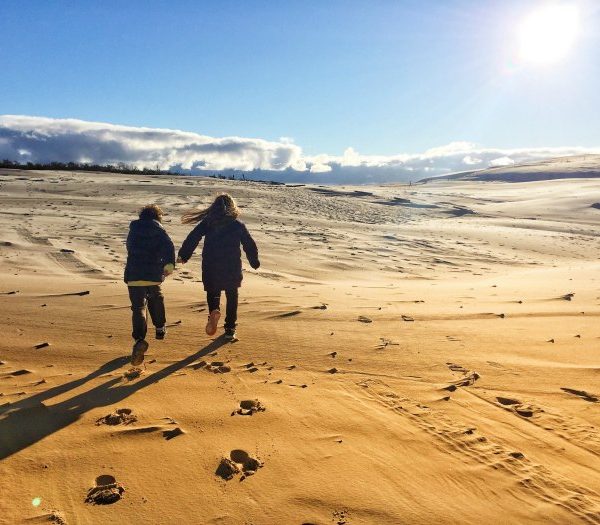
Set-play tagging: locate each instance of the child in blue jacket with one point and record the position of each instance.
(150, 258)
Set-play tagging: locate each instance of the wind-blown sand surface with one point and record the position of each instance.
(418, 350)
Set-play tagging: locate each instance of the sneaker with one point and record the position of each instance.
(137, 355)
(161, 332)
(213, 321)
(230, 334)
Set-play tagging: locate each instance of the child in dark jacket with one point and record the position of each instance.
(150, 258)
(221, 257)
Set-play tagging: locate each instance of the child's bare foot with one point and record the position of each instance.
(213, 321)
(137, 355)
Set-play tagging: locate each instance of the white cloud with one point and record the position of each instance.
(320, 168)
(65, 140)
(350, 158)
(501, 161)
(470, 160)
(73, 140)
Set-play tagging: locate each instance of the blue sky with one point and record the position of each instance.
(382, 77)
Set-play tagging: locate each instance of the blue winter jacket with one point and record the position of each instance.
(149, 249)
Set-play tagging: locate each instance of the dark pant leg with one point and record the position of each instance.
(137, 296)
(213, 299)
(156, 305)
(231, 310)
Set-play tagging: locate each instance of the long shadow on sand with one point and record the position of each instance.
(28, 421)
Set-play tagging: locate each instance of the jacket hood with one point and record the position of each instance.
(146, 227)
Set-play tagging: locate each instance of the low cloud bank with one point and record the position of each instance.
(43, 140)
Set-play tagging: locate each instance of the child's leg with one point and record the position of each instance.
(137, 296)
(213, 299)
(231, 310)
(156, 306)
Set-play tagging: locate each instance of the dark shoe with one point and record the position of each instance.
(213, 321)
(161, 332)
(230, 334)
(137, 355)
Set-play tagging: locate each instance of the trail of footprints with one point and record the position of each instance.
(583, 435)
(238, 462)
(224, 367)
(569, 428)
(465, 441)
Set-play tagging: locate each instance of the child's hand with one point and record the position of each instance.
(255, 265)
(167, 270)
(180, 260)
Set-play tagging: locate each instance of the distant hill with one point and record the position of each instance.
(574, 167)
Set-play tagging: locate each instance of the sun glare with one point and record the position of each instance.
(547, 34)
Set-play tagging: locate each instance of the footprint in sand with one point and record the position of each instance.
(56, 517)
(252, 367)
(121, 416)
(238, 461)
(506, 401)
(469, 377)
(216, 367)
(517, 407)
(248, 407)
(105, 491)
(172, 433)
(133, 373)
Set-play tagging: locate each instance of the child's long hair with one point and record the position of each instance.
(222, 206)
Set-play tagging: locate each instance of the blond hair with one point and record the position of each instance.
(222, 206)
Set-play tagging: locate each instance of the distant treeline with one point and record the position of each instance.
(121, 167)
(77, 166)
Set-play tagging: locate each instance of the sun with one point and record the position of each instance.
(547, 34)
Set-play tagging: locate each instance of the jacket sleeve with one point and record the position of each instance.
(167, 249)
(191, 242)
(128, 244)
(250, 248)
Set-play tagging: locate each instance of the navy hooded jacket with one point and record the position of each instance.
(221, 254)
(149, 249)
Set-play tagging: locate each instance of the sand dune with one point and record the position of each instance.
(413, 362)
(572, 167)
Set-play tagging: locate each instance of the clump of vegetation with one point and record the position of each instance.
(78, 166)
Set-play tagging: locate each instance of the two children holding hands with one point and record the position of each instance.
(151, 258)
